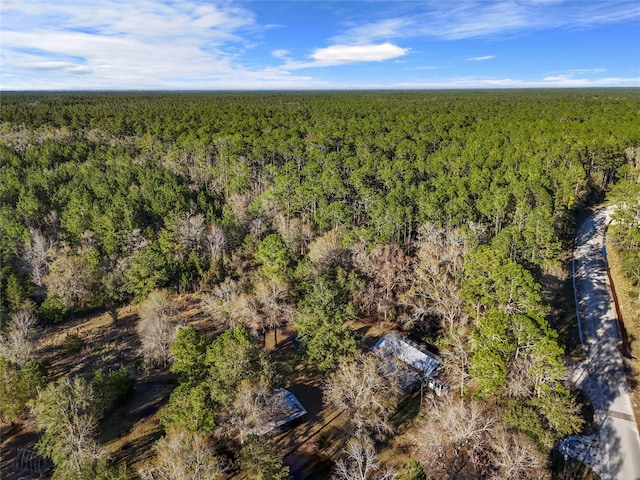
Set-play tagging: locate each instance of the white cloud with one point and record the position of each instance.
(375, 31)
(337, 54)
(489, 18)
(481, 59)
(581, 71)
(345, 54)
(110, 44)
(281, 53)
(498, 83)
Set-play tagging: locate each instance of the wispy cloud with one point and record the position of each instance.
(281, 53)
(481, 59)
(150, 44)
(473, 19)
(370, 32)
(579, 71)
(498, 83)
(224, 44)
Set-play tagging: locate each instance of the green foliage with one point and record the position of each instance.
(320, 322)
(329, 343)
(516, 355)
(18, 386)
(625, 219)
(111, 387)
(96, 470)
(190, 407)
(260, 460)
(412, 470)
(630, 266)
(189, 352)
(525, 418)
(115, 175)
(114, 290)
(73, 343)
(52, 309)
(149, 270)
(491, 349)
(491, 280)
(230, 358)
(67, 415)
(16, 294)
(624, 229)
(272, 253)
(104, 166)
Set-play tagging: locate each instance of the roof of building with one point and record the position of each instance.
(422, 361)
(288, 409)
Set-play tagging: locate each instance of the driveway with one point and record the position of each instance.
(614, 451)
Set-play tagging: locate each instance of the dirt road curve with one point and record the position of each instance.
(614, 452)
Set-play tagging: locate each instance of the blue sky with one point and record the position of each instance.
(311, 44)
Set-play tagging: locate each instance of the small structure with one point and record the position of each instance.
(285, 408)
(416, 364)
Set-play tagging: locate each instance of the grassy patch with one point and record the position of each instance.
(628, 299)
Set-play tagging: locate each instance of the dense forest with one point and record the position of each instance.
(443, 216)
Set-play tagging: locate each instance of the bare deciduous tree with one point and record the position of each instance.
(183, 455)
(453, 441)
(388, 271)
(456, 354)
(360, 387)
(359, 462)
(230, 303)
(239, 204)
(156, 327)
(216, 240)
(256, 405)
(191, 231)
(295, 232)
(72, 278)
(272, 296)
(327, 250)
(17, 344)
(134, 241)
(439, 264)
(515, 457)
(36, 256)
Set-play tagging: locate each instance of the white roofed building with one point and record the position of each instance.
(415, 364)
(283, 408)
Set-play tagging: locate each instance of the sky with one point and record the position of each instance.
(313, 44)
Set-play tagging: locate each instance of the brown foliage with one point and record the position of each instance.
(437, 270)
(183, 455)
(156, 327)
(36, 256)
(17, 344)
(361, 387)
(72, 277)
(460, 439)
(359, 462)
(388, 273)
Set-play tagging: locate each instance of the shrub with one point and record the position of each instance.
(52, 309)
(111, 387)
(73, 343)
